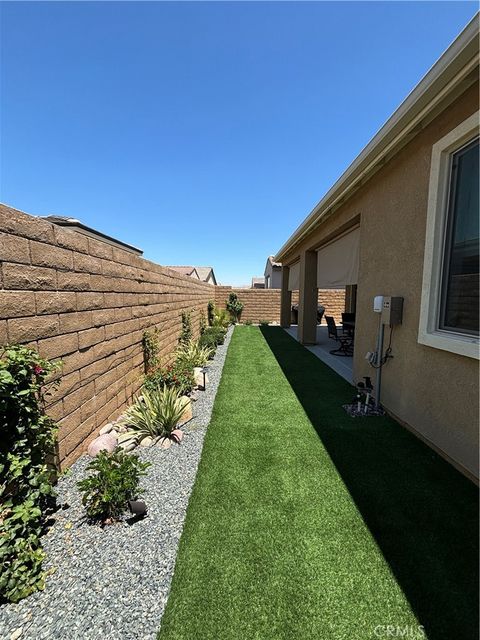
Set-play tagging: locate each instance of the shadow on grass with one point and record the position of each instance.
(422, 513)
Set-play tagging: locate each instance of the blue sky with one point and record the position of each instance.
(202, 132)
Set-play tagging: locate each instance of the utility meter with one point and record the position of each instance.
(392, 309)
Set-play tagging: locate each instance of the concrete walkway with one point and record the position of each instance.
(343, 365)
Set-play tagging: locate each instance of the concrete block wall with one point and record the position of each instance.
(87, 303)
(264, 304)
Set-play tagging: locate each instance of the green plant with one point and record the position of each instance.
(221, 318)
(234, 305)
(248, 322)
(192, 354)
(202, 322)
(27, 472)
(212, 337)
(264, 323)
(114, 481)
(151, 349)
(157, 413)
(177, 375)
(186, 332)
(210, 311)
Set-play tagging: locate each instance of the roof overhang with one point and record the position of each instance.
(451, 75)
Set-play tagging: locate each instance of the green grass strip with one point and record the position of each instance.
(305, 523)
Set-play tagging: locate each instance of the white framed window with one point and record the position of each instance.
(449, 313)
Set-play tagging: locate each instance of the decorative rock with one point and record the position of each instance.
(199, 378)
(165, 443)
(16, 634)
(106, 442)
(128, 446)
(177, 435)
(187, 412)
(106, 429)
(146, 442)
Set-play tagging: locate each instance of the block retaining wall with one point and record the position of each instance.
(88, 303)
(264, 304)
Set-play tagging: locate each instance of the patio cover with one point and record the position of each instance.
(294, 277)
(337, 262)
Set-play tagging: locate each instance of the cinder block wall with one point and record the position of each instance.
(88, 303)
(264, 304)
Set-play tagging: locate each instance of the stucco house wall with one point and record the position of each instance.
(433, 392)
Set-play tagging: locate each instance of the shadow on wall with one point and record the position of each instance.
(422, 513)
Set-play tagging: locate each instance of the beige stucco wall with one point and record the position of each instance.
(434, 392)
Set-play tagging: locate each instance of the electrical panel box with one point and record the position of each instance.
(392, 310)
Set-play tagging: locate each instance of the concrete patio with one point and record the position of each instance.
(343, 365)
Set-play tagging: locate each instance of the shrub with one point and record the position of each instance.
(156, 414)
(212, 337)
(186, 332)
(264, 323)
(210, 312)
(234, 305)
(27, 471)
(114, 481)
(151, 350)
(177, 375)
(192, 354)
(248, 322)
(202, 322)
(221, 318)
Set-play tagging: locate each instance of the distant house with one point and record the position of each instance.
(205, 274)
(273, 274)
(258, 283)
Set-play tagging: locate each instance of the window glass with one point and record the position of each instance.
(460, 284)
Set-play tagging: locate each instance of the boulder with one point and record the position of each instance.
(106, 442)
(177, 435)
(106, 429)
(165, 443)
(187, 411)
(146, 442)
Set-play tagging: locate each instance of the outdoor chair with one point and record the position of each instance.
(346, 342)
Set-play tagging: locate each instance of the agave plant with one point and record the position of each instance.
(192, 354)
(156, 414)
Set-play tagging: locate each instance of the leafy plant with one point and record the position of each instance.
(221, 318)
(264, 323)
(202, 322)
(248, 322)
(177, 375)
(210, 312)
(114, 481)
(27, 472)
(212, 337)
(156, 414)
(192, 354)
(234, 305)
(186, 332)
(151, 349)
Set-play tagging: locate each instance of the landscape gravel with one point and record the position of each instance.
(113, 582)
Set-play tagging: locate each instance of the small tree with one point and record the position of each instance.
(186, 332)
(234, 305)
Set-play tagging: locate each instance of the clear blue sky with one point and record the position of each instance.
(202, 132)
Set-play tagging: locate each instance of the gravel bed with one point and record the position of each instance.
(114, 582)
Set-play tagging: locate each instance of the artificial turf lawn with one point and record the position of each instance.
(306, 523)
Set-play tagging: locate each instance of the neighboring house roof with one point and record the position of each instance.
(271, 263)
(76, 225)
(200, 273)
(258, 283)
(206, 273)
(454, 72)
(185, 271)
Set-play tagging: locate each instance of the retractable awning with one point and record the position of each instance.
(294, 277)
